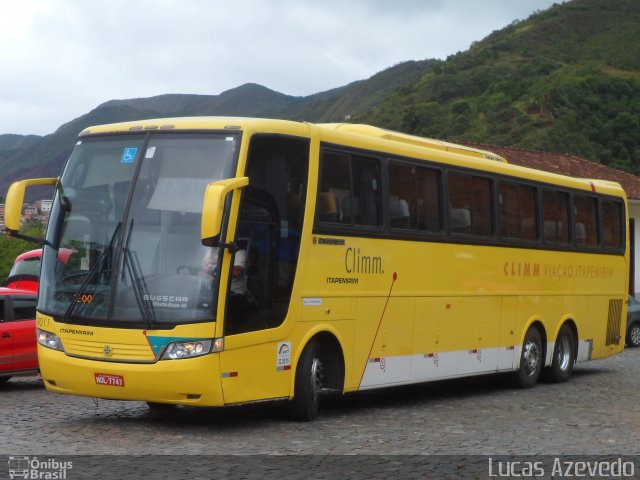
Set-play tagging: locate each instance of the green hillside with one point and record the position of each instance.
(565, 80)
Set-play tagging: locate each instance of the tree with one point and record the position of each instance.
(10, 248)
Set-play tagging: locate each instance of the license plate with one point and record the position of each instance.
(109, 380)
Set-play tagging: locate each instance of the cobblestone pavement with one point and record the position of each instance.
(596, 413)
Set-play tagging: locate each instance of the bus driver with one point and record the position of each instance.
(210, 267)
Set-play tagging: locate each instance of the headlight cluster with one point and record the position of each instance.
(49, 340)
(191, 349)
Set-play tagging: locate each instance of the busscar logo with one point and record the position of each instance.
(330, 241)
(35, 468)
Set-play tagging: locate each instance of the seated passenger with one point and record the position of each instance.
(210, 268)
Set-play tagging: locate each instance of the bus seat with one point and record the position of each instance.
(327, 207)
(399, 213)
(459, 218)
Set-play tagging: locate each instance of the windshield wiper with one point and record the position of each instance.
(140, 290)
(97, 268)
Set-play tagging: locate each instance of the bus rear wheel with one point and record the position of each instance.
(308, 384)
(564, 356)
(531, 360)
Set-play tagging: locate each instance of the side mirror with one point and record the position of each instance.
(213, 207)
(15, 200)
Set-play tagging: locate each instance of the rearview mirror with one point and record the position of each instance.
(213, 207)
(15, 200)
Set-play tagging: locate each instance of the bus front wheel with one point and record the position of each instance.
(531, 360)
(308, 383)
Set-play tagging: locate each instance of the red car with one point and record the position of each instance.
(18, 354)
(25, 272)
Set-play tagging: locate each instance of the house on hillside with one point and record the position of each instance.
(578, 167)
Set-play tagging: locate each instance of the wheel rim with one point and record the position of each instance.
(634, 335)
(316, 377)
(531, 358)
(564, 354)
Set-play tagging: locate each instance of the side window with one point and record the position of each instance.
(612, 224)
(414, 197)
(470, 205)
(428, 203)
(334, 188)
(24, 309)
(402, 196)
(518, 211)
(2, 314)
(555, 213)
(365, 199)
(586, 221)
(349, 190)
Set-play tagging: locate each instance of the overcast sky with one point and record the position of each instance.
(60, 59)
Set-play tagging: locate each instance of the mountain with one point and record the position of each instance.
(28, 157)
(12, 142)
(565, 80)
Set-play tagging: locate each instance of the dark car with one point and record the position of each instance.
(18, 353)
(633, 323)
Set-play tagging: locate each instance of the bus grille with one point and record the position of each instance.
(117, 351)
(614, 322)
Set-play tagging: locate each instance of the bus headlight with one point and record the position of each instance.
(191, 349)
(49, 340)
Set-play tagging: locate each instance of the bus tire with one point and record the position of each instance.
(564, 356)
(531, 360)
(308, 383)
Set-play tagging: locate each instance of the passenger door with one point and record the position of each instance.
(256, 362)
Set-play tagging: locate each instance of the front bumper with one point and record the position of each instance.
(194, 381)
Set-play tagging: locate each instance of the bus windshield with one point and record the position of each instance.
(129, 207)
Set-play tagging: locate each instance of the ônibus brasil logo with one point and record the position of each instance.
(35, 468)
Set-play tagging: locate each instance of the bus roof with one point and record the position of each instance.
(364, 136)
(404, 138)
(200, 123)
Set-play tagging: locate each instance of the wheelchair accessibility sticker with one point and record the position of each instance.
(129, 155)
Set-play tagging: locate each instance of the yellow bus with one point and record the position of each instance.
(221, 261)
